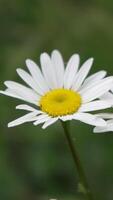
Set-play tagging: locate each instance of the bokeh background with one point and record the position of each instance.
(35, 164)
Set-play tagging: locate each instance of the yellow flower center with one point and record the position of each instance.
(59, 102)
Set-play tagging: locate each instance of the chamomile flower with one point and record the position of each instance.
(59, 93)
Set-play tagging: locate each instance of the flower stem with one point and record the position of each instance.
(83, 185)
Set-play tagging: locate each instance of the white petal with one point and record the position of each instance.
(41, 119)
(71, 70)
(33, 119)
(112, 89)
(94, 78)
(98, 90)
(49, 122)
(37, 75)
(23, 91)
(107, 128)
(9, 93)
(48, 70)
(66, 117)
(107, 97)
(105, 115)
(29, 80)
(95, 105)
(89, 119)
(101, 129)
(58, 64)
(23, 119)
(27, 108)
(81, 75)
(12, 93)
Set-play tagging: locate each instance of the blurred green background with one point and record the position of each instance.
(35, 164)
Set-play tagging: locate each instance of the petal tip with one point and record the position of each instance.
(95, 130)
(91, 59)
(28, 61)
(9, 125)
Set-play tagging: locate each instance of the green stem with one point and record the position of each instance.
(83, 185)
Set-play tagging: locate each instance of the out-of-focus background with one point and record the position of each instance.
(35, 164)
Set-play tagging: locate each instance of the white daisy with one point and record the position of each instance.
(59, 93)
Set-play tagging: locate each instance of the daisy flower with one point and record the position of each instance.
(107, 116)
(58, 92)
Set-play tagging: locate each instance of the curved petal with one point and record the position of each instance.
(82, 73)
(37, 75)
(41, 119)
(29, 80)
(101, 129)
(107, 128)
(71, 70)
(10, 93)
(26, 118)
(27, 108)
(48, 70)
(58, 64)
(95, 81)
(105, 115)
(94, 78)
(98, 90)
(95, 105)
(49, 122)
(107, 97)
(22, 91)
(89, 119)
(66, 117)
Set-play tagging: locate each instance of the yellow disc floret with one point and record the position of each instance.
(59, 102)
